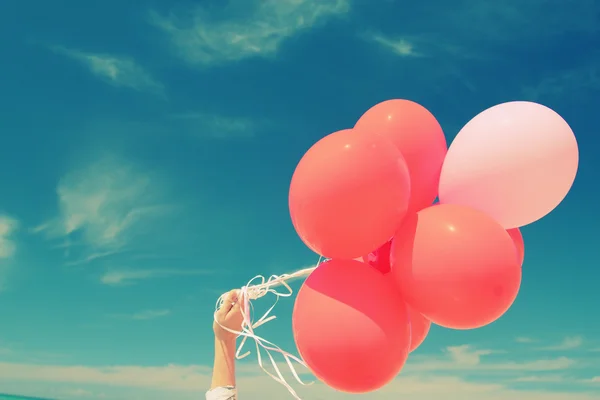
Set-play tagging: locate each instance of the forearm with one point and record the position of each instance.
(224, 366)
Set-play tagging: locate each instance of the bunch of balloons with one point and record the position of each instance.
(363, 198)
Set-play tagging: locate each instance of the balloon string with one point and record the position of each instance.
(253, 291)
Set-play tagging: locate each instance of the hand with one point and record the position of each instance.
(229, 316)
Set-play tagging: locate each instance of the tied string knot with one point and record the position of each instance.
(256, 288)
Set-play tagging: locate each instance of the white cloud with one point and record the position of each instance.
(132, 276)
(425, 378)
(465, 355)
(104, 208)
(205, 40)
(119, 71)
(568, 343)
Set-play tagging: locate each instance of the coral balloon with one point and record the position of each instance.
(349, 194)
(515, 161)
(419, 328)
(456, 266)
(420, 139)
(517, 237)
(351, 327)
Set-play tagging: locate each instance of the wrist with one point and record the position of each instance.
(225, 342)
(224, 365)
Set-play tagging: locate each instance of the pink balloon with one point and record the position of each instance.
(420, 139)
(515, 161)
(351, 326)
(456, 266)
(419, 328)
(517, 237)
(349, 194)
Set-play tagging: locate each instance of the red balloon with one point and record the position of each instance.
(420, 139)
(380, 258)
(456, 266)
(419, 325)
(517, 237)
(349, 194)
(351, 326)
(419, 328)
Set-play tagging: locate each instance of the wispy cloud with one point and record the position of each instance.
(425, 45)
(144, 315)
(483, 31)
(594, 380)
(131, 277)
(8, 247)
(103, 208)
(466, 355)
(424, 378)
(151, 314)
(568, 343)
(218, 126)
(468, 358)
(87, 258)
(204, 125)
(204, 40)
(8, 226)
(399, 46)
(541, 379)
(509, 21)
(120, 71)
(524, 339)
(581, 79)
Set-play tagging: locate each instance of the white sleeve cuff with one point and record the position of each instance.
(222, 393)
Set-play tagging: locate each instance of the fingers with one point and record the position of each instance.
(232, 296)
(236, 308)
(229, 301)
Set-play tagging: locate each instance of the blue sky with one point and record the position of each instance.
(146, 154)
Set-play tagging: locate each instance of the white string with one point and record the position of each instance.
(253, 291)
